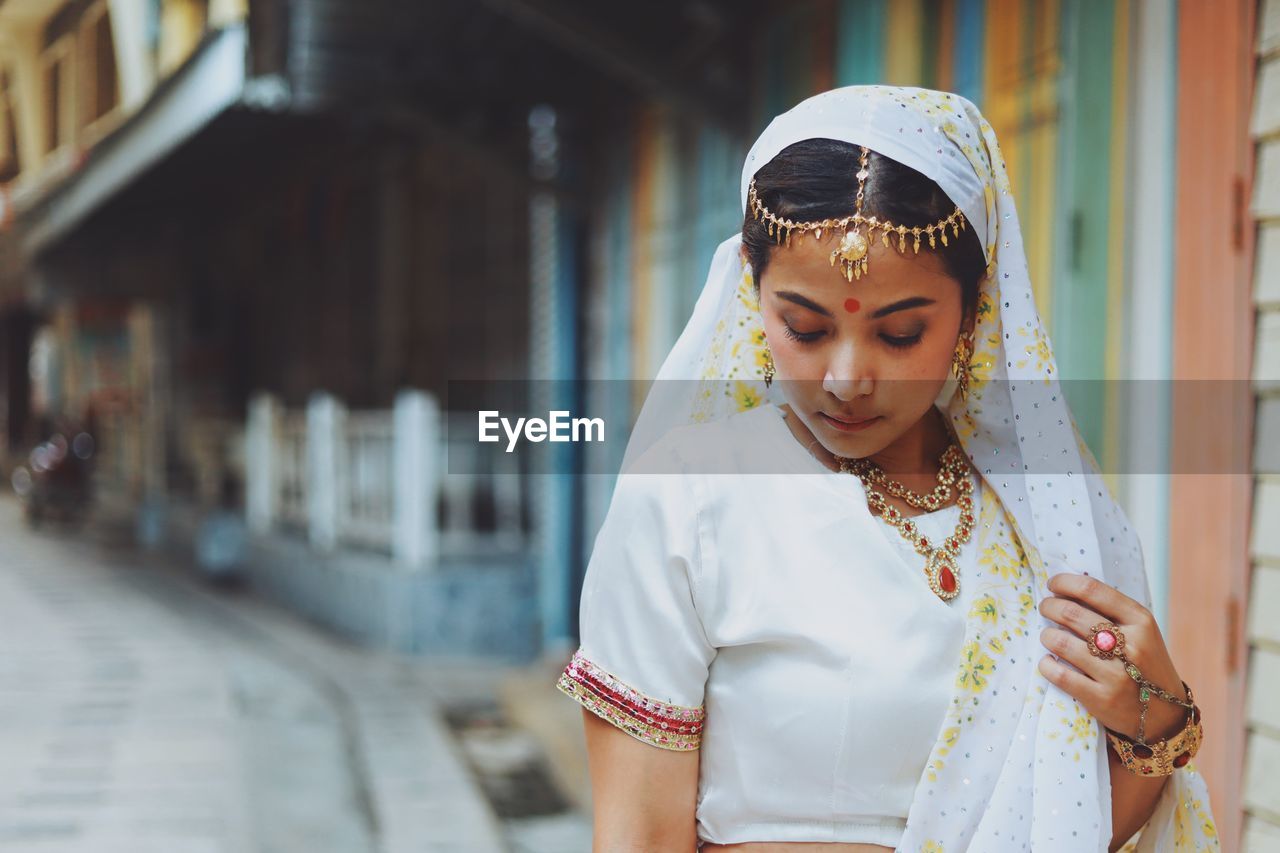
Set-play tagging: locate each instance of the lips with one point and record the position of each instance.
(845, 424)
(847, 419)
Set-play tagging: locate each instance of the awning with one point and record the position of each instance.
(212, 81)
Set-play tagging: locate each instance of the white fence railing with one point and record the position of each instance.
(291, 459)
(366, 508)
(376, 479)
(483, 509)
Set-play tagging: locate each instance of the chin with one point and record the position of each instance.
(857, 448)
(855, 444)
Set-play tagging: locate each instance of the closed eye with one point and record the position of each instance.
(901, 341)
(803, 337)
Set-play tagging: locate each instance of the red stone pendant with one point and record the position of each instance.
(940, 570)
(947, 579)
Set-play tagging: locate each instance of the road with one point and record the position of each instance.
(142, 711)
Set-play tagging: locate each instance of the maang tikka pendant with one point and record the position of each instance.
(852, 254)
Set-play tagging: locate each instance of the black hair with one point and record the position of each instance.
(816, 179)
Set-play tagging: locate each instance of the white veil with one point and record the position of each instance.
(1048, 766)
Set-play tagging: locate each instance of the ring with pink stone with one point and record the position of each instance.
(1106, 641)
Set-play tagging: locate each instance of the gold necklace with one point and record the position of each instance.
(951, 461)
(941, 567)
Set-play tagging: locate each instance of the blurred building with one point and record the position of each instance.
(1260, 663)
(251, 242)
(256, 239)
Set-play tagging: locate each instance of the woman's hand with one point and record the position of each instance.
(1103, 686)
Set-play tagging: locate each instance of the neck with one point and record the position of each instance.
(914, 454)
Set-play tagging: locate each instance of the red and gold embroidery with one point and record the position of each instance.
(657, 723)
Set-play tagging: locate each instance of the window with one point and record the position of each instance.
(10, 163)
(58, 89)
(101, 81)
(53, 103)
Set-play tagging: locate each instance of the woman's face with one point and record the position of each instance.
(874, 351)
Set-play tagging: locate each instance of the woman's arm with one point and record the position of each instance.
(1106, 690)
(643, 797)
(1133, 799)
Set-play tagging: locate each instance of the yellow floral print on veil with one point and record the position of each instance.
(1039, 354)
(733, 368)
(987, 609)
(1078, 725)
(975, 668)
(746, 395)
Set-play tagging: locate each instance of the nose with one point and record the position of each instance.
(847, 375)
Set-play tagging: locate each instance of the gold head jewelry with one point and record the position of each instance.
(854, 244)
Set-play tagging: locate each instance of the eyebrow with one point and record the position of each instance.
(900, 305)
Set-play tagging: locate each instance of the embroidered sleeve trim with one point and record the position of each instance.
(655, 722)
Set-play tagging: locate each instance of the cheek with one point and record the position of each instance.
(934, 359)
(794, 360)
(931, 358)
(921, 369)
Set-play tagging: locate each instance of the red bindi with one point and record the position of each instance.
(852, 305)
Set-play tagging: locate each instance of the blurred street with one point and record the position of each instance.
(141, 711)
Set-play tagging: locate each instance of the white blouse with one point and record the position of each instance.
(772, 621)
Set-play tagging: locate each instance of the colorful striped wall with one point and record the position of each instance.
(1052, 76)
(1213, 330)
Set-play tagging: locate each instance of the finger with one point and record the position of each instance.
(1071, 614)
(1079, 619)
(1074, 683)
(1101, 597)
(1072, 649)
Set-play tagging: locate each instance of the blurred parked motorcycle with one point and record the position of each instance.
(57, 481)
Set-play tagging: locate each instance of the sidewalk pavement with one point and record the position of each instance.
(141, 712)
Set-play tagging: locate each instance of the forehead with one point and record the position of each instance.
(806, 265)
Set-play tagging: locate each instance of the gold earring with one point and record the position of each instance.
(769, 369)
(960, 364)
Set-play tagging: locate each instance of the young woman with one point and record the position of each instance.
(883, 601)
